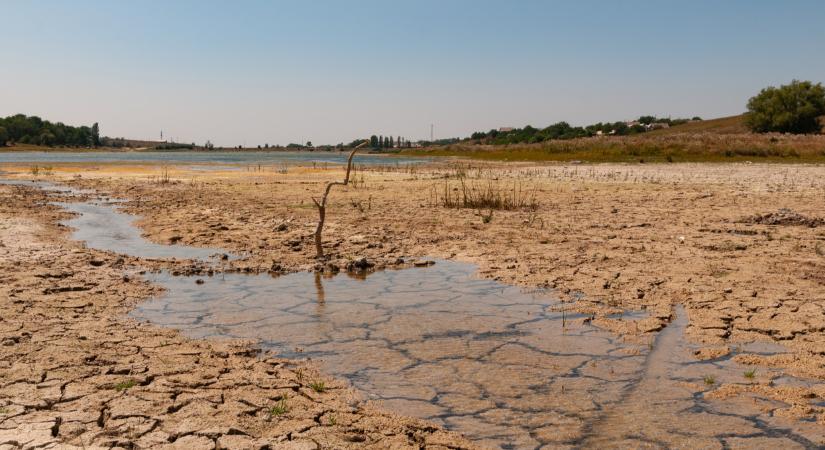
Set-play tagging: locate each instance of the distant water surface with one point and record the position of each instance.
(239, 157)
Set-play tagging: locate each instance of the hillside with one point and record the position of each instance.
(722, 125)
(719, 140)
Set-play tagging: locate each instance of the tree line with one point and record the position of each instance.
(389, 142)
(563, 130)
(22, 129)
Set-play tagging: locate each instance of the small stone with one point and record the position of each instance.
(360, 264)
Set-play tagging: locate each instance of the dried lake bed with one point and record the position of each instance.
(516, 367)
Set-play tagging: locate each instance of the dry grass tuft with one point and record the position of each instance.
(485, 194)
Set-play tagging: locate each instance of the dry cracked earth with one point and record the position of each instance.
(76, 373)
(741, 247)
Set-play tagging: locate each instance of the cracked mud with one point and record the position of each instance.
(740, 366)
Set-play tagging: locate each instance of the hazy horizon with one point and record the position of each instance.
(328, 72)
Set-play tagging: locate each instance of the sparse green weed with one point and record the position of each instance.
(279, 409)
(318, 386)
(750, 374)
(709, 380)
(123, 385)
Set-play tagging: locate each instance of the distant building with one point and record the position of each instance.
(505, 129)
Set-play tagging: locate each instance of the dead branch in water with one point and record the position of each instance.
(322, 205)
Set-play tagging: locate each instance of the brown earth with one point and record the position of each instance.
(76, 373)
(607, 237)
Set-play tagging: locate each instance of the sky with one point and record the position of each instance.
(277, 72)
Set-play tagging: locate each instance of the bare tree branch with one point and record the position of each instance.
(322, 205)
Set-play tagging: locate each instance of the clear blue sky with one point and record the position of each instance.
(330, 71)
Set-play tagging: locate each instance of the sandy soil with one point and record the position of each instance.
(740, 246)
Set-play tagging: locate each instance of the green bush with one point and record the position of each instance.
(792, 108)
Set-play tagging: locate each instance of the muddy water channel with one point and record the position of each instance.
(507, 367)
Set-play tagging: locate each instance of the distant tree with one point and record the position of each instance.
(792, 108)
(4, 136)
(95, 135)
(647, 120)
(695, 118)
(392, 143)
(374, 141)
(380, 141)
(309, 143)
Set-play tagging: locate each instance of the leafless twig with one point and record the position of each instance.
(322, 205)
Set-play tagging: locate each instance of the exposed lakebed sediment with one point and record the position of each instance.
(76, 373)
(505, 367)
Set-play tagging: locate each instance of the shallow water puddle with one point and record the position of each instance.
(480, 357)
(506, 367)
(101, 226)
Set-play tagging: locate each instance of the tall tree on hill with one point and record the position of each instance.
(374, 141)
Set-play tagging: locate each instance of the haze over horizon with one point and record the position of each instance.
(328, 72)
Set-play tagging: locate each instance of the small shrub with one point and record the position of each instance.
(318, 386)
(750, 374)
(709, 380)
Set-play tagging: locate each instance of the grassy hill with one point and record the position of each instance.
(722, 125)
(718, 140)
